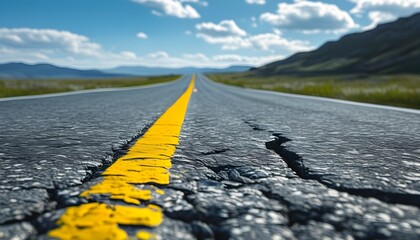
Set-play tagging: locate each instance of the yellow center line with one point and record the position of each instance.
(147, 161)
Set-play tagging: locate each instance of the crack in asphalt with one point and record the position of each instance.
(295, 162)
(56, 201)
(117, 152)
(254, 126)
(215, 194)
(216, 151)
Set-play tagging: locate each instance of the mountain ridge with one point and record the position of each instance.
(390, 48)
(141, 70)
(19, 70)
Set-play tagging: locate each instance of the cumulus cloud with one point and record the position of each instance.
(231, 37)
(196, 56)
(259, 2)
(65, 48)
(234, 59)
(228, 43)
(226, 33)
(142, 35)
(268, 41)
(128, 55)
(48, 40)
(310, 17)
(225, 28)
(159, 54)
(174, 8)
(378, 17)
(397, 7)
(57, 47)
(380, 11)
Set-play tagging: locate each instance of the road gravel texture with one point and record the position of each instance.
(250, 165)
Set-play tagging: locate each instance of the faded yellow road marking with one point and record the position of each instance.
(147, 161)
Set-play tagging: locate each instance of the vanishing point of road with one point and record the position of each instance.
(194, 159)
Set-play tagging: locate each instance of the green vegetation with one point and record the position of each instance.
(11, 88)
(394, 90)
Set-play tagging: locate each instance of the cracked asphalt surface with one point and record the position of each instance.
(250, 165)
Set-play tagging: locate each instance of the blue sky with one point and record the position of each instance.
(175, 33)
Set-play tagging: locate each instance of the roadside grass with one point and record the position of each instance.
(393, 90)
(23, 87)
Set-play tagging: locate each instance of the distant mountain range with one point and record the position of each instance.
(388, 49)
(22, 70)
(32, 71)
(150, 71)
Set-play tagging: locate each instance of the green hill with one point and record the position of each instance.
(391, 48)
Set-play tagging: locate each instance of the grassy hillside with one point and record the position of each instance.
(391, 48)
(11, 88)
(395, 90)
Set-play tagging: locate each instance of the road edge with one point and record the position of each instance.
(96, 90)
(372, 105)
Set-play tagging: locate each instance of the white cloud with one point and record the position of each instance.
(196, 56)
(310, 17)
(222, 60)
(201, 60)
(64, 48)
(231, 37)
(380, 11)
(57, 47)
(259, 2)
(397, 7)
(128, 55)
(142, 35)
(48, 40)
(235, 59)
(378, 17)
(228, 43)
(225, 28)
(126, 58)
(158, 55)
(226, 33)
(268, 41)
(174, 8)
(277, 31)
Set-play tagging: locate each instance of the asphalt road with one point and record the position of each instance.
(249, 165)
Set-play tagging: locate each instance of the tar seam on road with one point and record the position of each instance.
(147, 163)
